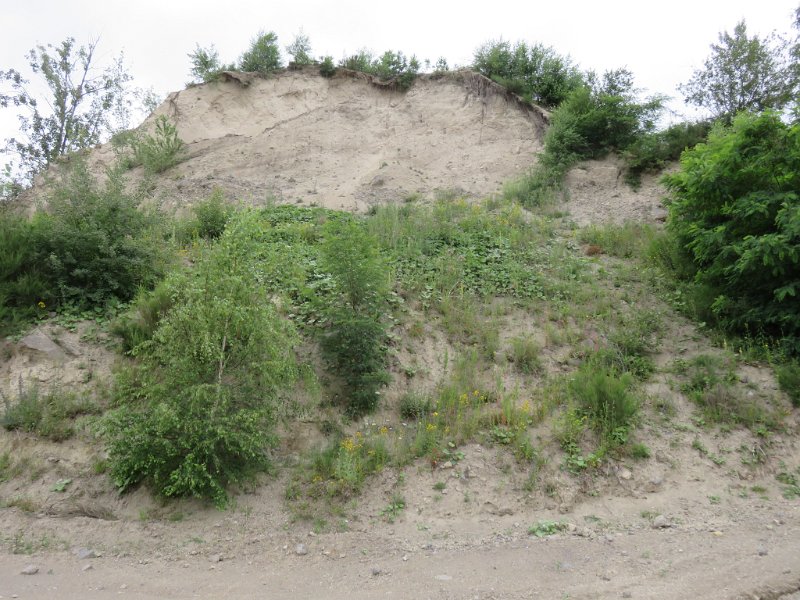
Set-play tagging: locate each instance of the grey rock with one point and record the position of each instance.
(300, 550)
(215, 558)
(88, 567)
(627, 595)
(661, 522)
(84, 553)
(376, 571)
(654, 484)
(30, 570)
(625, 474)
(39, 342)
(762, 551)
(443, 578)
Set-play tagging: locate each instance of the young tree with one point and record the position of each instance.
(743, 73)
(300, 50)
(263, 56)
(82, 104)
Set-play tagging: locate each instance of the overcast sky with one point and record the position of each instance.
(661, 42)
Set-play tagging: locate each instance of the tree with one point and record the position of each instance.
(300, 50)
(735, 212)
(263, 56)
(537, 72)
(743, 73)
(206, 65)
(82, 105)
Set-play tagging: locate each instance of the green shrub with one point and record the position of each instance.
(206, 65)
(356, 339)
(22, 283)
(48, 415)
(536, 72)
(93, 245)
(789, 380)
(735, 213)
(389, 66)
(652, 152)
(414, 407)
(326, 67)
(525, 355)
(160, 151)
(263, 56)
(607, 401)
(208, 388)
(212, 215)
(140, 321)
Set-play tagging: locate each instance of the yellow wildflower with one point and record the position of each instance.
(41, 304)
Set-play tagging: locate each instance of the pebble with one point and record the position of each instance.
(443, 578)
(661, 522)
(88, 567)
(30, 570)
(627, 595)
(762, 551)
(625, 474)
(376, 571)
(300, 550)
(215, 558)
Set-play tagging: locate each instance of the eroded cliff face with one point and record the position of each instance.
(344, 142)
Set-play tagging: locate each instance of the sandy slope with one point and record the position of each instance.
(343, 142)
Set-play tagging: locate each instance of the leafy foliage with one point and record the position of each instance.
(263, 56)
(326, 67)
(736, 211)
(300, 50)
(161, 150)
(743, 73)
(606, 400)
(652, 151)
(206, 65)
(90, 248)
(537, 72)
(601, 116)
(389, 66)
(356, 340)
(199, 412)
(80, 107)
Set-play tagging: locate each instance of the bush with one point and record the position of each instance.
(300, 50)
(22, 283)
(326, 67)
(212, 215)
(160, 151)
(735, 214)
(140, 322)
(94, 245)
(654, 151)
(263, 56)
(536, 72)
(206, 65)
(209, 381)
(606, 401)
(356, 340)
(390, 66)
(48, 415)
(596, 118)
(789, 380)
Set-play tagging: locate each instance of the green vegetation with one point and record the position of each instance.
(263, 56)
(197, 412)
(49, 415)
(161, 150)
(79, 106)
(355, 341)
(735, 216)
(92, 247)
(744, 74)
(390, 66)
(536, 72)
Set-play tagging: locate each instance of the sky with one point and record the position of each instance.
(661, 42)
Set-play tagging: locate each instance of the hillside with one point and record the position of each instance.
(344, 142)
(553, 426)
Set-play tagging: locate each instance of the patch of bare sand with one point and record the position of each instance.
(343, 143)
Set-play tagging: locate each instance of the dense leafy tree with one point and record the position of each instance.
(263, 56)
(736, 211)
(743, 73)
(537, 72)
